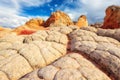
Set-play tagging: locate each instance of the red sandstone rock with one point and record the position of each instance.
(112, 18)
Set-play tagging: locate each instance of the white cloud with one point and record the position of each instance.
(33, 2)
(93, 9)
(74, 13)
(96, 8)
(12, 20)
(10, 11)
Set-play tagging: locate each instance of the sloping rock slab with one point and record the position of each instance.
(105, 51)
(20, 55)
(70, 67)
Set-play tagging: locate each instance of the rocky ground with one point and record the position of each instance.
(58, 49)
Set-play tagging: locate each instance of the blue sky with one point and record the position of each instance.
(14, 13)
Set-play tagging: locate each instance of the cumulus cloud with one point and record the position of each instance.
(10, 11)
(93, 9)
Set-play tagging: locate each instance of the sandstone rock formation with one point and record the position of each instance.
(46, 48)
(112, 18)
(62, 52)
(35, 23)
(20, 55)
(82, 21)
(58, 18)
(1, 28)
(4, 31)
(102, 50)
(97, 24)
(70, 67)
(30, 27)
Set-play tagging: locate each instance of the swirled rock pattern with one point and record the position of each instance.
(103, 50)
(70, 67)
(22, 54)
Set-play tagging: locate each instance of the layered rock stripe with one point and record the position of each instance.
(20, 55)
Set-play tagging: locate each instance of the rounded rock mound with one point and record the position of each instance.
(21, 54)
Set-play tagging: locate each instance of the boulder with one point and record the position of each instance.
(82, 21)
(112, 18)
(57, 19)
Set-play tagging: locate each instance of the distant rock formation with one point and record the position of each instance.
(82, 21)
(31, 26)
(112, 18)
(58, 18)
(35, 23)
(4, 31)
(97, 24)
(1, 28)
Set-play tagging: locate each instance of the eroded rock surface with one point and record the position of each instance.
(103, 50)
(70, 67)
(20, 55)
(42, 55)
